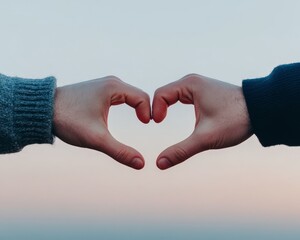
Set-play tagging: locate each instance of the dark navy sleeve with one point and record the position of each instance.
(273, 104)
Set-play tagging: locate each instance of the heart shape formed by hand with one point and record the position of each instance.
(222, 118)
(81, 112)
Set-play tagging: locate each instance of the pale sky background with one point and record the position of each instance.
(149, 44)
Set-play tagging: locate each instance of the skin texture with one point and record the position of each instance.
(222, 118)
(81, 111)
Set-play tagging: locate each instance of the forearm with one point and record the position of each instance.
(273, 104)
(26, 112)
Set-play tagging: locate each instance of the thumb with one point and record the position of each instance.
(120, 152)
(179, 152)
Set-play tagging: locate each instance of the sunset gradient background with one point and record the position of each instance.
(64, 192)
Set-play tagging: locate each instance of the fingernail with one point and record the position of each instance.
(164, 163)
(137, 163)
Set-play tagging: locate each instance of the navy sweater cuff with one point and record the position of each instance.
(273, 104)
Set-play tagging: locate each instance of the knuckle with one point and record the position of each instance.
(192, 78)
(112, 81)
(113, 78)
(158, 92)
(141, 103)
(122, 155)
(143, 97)
(146, 101)
(146, 96)
(180, 155)
(192, 75)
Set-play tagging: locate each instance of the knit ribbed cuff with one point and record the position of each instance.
(33, 110)
(273, 104)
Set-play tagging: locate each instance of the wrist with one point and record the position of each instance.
(244, 114)
(56, 111)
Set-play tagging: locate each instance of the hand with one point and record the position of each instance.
(81, 111)
(221, 116)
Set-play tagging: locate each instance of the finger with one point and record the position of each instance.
(169, 95)
(121, 152)
(135, 98)
(179, 152)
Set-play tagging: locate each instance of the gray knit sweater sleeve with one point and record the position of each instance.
(26, 112)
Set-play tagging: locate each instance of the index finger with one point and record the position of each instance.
(169, 95)
(134, 97)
